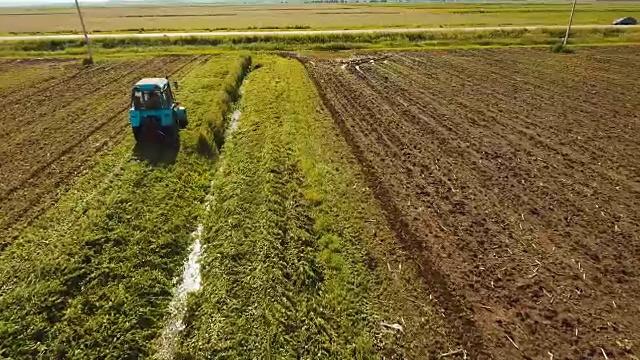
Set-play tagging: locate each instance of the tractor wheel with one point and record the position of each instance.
(171, 136)
(137, 133)
(183, 123)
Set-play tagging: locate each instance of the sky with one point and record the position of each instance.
(48, 2)
(55, 2)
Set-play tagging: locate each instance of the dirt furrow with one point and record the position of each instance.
(581, 147)
(344, 108)
(532, 231)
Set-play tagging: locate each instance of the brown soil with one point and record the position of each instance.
(29, 76)
(13, 64)
(513, 179)
(52, 131)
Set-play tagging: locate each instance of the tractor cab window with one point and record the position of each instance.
(148, 100)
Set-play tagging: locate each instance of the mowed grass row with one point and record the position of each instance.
(92, 278)
(298, 261)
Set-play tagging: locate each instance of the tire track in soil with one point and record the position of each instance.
(422, 113)
(501, 196)
(473, 185)
(17, 106)
(39, 190)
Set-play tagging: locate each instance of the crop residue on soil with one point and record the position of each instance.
(512, 178)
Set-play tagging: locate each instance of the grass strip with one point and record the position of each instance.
(424, 40)
(296, 250)
(93, 277)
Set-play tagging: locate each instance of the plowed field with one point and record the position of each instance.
(56, 117)
(512, 177)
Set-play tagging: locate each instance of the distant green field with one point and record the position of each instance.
(322, 42)
(306, 16)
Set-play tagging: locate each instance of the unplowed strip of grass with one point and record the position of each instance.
(514, 175)
(52, 136)
(92, 277)
(298, 260)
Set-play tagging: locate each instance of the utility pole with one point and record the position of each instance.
(566, 36)
(84, 30)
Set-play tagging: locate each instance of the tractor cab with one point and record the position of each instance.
(154, 113)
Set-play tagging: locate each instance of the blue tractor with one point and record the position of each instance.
(155, 115)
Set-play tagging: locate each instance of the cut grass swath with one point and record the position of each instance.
(92, 278)
(296, 253)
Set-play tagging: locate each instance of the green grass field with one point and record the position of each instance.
(324, 42)
(296, 250)
(290, 251)
(319, 16)
(76, 276)
(299, 16)
(299, 259)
